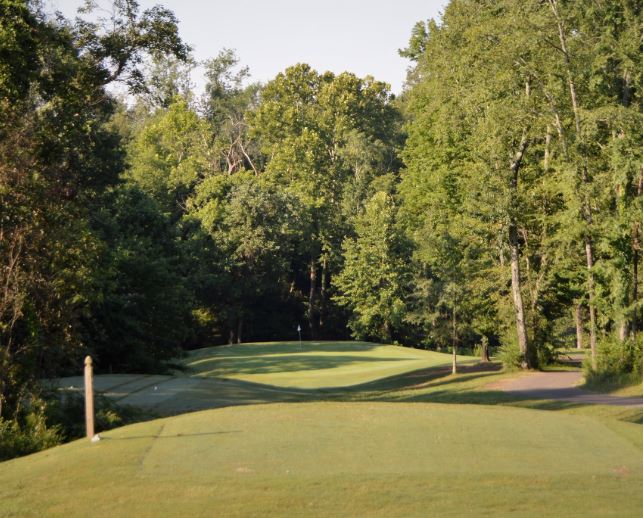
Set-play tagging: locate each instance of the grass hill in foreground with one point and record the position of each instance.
(321, 459)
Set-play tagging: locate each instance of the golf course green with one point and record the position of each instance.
(311, 365)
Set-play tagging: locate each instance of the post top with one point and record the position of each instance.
(88, 360)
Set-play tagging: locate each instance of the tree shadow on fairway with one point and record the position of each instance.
(259, 348)
(423, 377)
(174, 436)
(283, 363)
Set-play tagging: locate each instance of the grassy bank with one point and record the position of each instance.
(337, 458)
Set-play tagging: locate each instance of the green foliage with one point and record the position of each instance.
(141, 310)
(509, 355)
(328, 137)
(255, 227)
(482, 83)
(168, 157)
(29, 432)
(225, 104)
(65, 413)
(374, 280)
(117, 45)
(58, 155)
(618, 363)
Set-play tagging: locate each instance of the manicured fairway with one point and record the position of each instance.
(348, 459)
(314, 365)
(266, 372)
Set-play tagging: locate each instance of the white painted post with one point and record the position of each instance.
(89, 397)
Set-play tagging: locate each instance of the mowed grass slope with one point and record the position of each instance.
(312, 365)
(328, 459)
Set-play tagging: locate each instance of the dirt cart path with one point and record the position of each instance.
(562, 386)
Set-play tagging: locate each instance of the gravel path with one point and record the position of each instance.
(561, 386)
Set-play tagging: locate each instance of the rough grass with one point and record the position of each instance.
(320, 459)
(314, 365)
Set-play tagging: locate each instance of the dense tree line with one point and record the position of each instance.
(496, 202)
(523, 181)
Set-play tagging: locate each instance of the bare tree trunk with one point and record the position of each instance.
(516, 287)
(484, 350)
(590, 291)
(454, 362)
(635, 280)
(517, 296)
(387, 331)
(547, 157)
(239, 328)
(454, 342)
(636, 246)
(623, 329)
(312, 300)
(322, 292)
(578, 319)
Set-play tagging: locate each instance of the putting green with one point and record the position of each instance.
(312, 365)
(349, 459)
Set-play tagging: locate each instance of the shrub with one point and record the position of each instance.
(27, 434)
(509, 354)
(617, 363)
(57, 417)
(67, 411)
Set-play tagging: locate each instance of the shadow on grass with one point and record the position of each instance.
(273, 364)
(175, 436)
(427, 377)
(252, 349)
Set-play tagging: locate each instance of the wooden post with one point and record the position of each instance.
(89, 397)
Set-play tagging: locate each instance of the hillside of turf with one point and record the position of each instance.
(349, 459)
(312, 365)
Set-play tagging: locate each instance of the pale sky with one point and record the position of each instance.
(360, 36)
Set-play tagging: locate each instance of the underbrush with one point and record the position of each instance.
(510, 356)
(618, 364)
(29, 432)
(58, 417)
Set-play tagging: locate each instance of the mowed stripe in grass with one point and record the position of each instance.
(386, 459)
(312, 365)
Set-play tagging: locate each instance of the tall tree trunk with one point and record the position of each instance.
(516, 292)
(586, 209)
(388, 335)
(547, 157)
(623, 329)
(239, 328)
(590, 291)
(635, 281)
(514, 252)
(323, 292)
(1, 397)
(636, 248)
(312, 300)
(484, 349)
(578, 320)
(454, 342)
